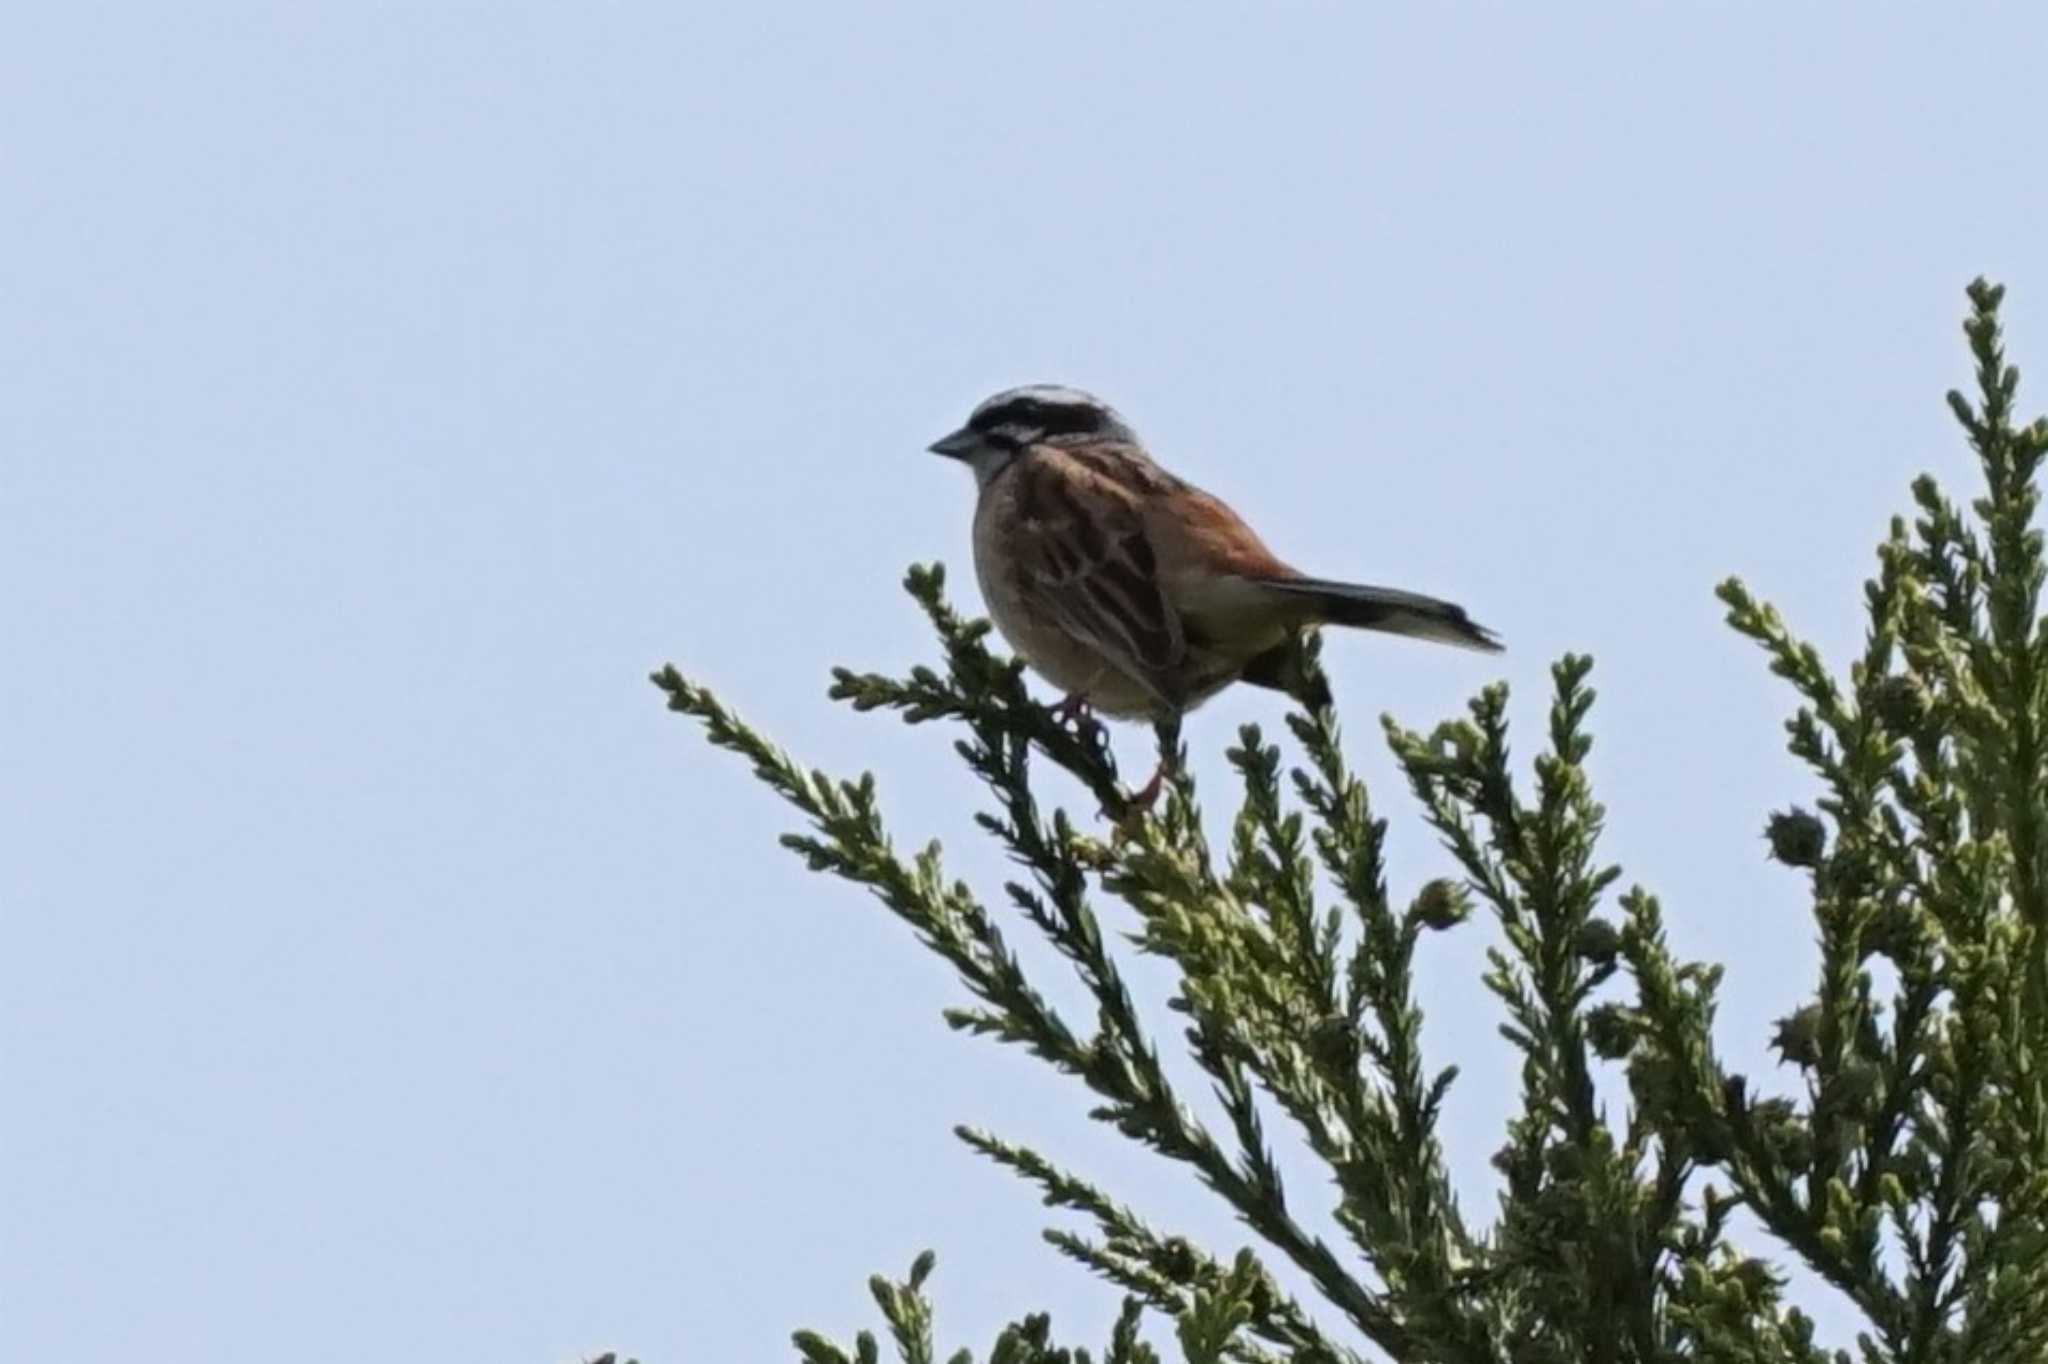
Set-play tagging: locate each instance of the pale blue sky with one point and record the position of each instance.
(384, 975)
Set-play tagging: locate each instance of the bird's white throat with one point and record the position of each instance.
(987, 461)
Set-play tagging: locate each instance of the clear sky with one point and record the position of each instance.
(385, 975)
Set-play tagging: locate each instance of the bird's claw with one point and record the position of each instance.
(1074, 712)
(1141, 801)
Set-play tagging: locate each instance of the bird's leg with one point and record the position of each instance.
(1147, 795)
(1074, 709)
(1168, 730)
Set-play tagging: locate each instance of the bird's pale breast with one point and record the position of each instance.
(1056, 654)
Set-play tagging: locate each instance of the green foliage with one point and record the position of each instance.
(1910, 1169)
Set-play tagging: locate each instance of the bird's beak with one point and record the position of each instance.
(958, 445)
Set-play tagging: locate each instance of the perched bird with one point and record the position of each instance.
(1135, 593)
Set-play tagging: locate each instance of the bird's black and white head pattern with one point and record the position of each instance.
(1022, 416)
(1034, 414)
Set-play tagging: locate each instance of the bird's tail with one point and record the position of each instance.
(1383, 608)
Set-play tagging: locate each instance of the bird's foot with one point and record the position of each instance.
(1145, 797)
(1077, 713)
(1140, 802)
(1074, 709)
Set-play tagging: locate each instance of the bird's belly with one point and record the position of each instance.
(1070, 664)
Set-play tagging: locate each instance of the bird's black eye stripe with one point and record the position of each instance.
(1052, 419)
(1070, 419)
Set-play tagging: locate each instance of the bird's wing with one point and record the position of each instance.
(1085, 559)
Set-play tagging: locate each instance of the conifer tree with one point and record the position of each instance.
(1909, 1167)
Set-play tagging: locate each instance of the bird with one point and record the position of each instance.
(1132, 591)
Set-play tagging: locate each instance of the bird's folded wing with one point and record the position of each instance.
(1087, 562)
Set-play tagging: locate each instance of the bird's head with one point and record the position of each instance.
(1017, 417)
